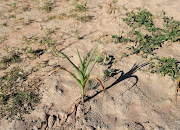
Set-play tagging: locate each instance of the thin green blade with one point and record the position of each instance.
(60, 67)
(90, 59)
(97, 58)
(77, 69)
(78, 81)
(81, 63)
(72, 75)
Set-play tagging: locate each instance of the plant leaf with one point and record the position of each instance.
(90, 59)
(97, 58)
(59, 67)
(77, 69)
(81, 63)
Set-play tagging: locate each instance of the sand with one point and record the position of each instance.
(133, 99)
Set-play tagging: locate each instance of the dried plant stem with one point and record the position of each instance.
(177, 89)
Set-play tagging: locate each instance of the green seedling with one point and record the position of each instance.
(142, 17)
(172, 29)
(108, 62)
(13, 16)
(165, 66)
(80, 7)
(48, 41)
(108, 73)
(13, 5)
(3, 38)
(13, 57)
(29, 50)
(114, 1)
(10, 78)
(121, 39)
(83, 76)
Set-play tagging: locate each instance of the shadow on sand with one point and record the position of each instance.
(123, 76)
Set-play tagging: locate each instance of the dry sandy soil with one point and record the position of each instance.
(133, 99)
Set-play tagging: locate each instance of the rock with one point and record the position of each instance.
(51, 121)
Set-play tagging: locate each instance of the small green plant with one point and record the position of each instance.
(166, 65)
(22, 103)
(29, 50)
(172, 29)
(108, 73)
(13, 57)
(142, 17)
(48, 41)
(13, 5)
(3, 38)
(121, 39)
(12, 76)
(83, 76)
(114, 1)
(13, 16)
(146, 43)
(108, 62)
(80, 7)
